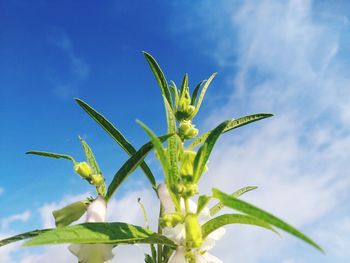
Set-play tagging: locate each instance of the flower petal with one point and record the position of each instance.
(177, 233)
(179, 256)
(97, 210)
(92, 253)
(217, 234)
(165, 198)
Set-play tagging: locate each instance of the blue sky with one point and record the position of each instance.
(289, 58)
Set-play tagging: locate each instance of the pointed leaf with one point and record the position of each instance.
(90, 157)
(216, 208)
(175, 93)
(184, 86)
(195, 93)
(130, 165)
(99, 233)
(202, 202)
(52, 155)
(172, 145)
(159, 75)
(201, 96)
(22, 236)
(256, 212)
(164, 160)
(217, 222)
(204, 151)
(70, 213)
(233, 125)
(117, 136)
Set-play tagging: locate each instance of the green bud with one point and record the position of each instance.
(187, 130)
(193, 231)
(191, 190)
(186, 163)
(97, 179)
(171, 219)
(83, 169)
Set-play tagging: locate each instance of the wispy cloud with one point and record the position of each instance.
(23, 217)
(79, 70)
(289, 62)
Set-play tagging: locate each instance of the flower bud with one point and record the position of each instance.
(186, 163)
(193, 231)
(171, 220)
(83, 169)
(97, 179)
(187, 130)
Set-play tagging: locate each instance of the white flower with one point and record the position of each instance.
(94, 253)
(178, 233)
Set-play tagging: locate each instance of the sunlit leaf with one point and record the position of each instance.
(204, 89)
(130, 165)
(256, 212)
(117, 136)
(195, 93)
(52, 155)
(159, 75)
(205, 151)
(22, 236)
(217, 222)
(232, 125)
(216, 208)
(70, 213)
(202, 202)
(99, 233)
(90, 157)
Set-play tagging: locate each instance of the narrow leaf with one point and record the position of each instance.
(184, 86)
(172, 145)
(52, 155)
(90, 157)
(159, 75)
(256, 212)
(130, 165)
(22, 236)
(117, 136)
(202, 202)
(201, 96)
(205, 151)
(99, 233)
(70, 213)
(195, 93)
(217, 222)
(175, 93)
(216, 208)
(232, 125)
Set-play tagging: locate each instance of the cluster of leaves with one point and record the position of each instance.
(180, 109)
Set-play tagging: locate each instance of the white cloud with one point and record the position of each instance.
(289, 64)
(22, 217)
(2, 190)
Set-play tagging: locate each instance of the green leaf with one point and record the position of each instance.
(164, 160)
(217, 222)
(117, 136)
(202, 202)
(99, 233)
(22, 236)
(216, 208)
(172, 145)
(149, 259)
(184, 86)
(70, 213)
(52, 155)
(175, 93)
(195, 93)
(90, 157)
(159, 75)
(256, 212)
(204, 151)
(201, 96)
(130, 165)
(232, 125)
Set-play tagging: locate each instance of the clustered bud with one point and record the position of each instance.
(85, 171)
(187, 130)
(171, 220)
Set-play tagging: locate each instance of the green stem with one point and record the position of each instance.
(159, 246)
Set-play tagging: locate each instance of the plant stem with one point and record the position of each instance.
(159, 246)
